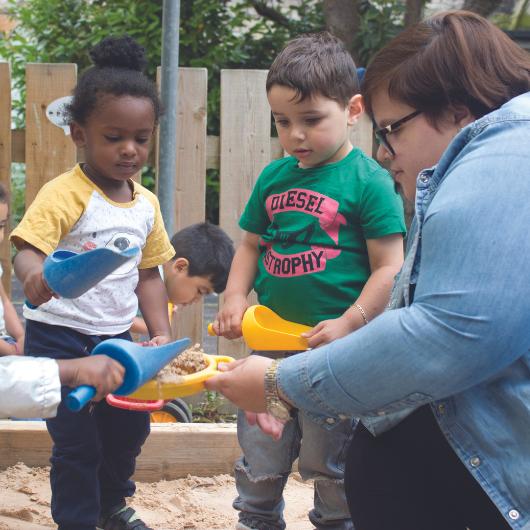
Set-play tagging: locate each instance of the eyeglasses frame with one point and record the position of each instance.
(382, 133)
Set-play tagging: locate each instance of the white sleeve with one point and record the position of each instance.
(29, 387)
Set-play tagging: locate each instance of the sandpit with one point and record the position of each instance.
(200, 503)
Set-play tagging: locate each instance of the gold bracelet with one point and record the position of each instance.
(363, 313)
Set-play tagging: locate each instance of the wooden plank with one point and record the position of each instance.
(190, 196)
(245, 151)
(49, 152)
(18, 145)
(213, 147)
(18, 149)
(190, 177)
(172, 450)
(5, 165)
(176, 450)
(361, 134)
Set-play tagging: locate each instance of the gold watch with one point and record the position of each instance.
(276, 407)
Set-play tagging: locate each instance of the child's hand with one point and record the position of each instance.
(35, 288)
(328, 331)
(159, 340)
(228, 321)
(101, 372)
(267, 423)
(8, 348)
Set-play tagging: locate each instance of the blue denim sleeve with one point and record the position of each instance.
(469, 318)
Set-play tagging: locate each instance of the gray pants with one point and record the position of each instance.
(262, 472)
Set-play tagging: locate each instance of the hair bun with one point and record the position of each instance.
(119, 52)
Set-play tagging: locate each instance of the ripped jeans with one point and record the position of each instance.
(262, 472)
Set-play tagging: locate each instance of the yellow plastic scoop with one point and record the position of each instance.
(263, 330)
(188, 385)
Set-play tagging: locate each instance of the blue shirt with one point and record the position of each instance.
(462, 344)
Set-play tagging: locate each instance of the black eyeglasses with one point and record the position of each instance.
(381, 134)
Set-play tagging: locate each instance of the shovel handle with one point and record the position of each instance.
(79, 397)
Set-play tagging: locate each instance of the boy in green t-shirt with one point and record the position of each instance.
(323, 241)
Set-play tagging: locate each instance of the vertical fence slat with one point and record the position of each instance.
(361, 134)
(49, 152)
(190, 196)
(245, 150)
(5, 164)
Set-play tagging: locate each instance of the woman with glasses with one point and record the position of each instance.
(440, 381)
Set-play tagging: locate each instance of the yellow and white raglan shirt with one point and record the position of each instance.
(71, 213)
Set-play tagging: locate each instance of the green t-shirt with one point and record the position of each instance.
(313, 225)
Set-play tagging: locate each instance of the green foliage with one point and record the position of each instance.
(18, 195)
(220, 34)
(209, 410)
(506, 21)
(62, 31)
(380, 22)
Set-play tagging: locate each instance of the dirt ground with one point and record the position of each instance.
(200, 503)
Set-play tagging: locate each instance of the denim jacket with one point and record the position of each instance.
(462, 344)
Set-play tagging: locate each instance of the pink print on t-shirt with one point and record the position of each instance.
(312, 203)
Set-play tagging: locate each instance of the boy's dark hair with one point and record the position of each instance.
(450, 59)
(208, 250)
(317, 63)
(4, 196)
(118, 71)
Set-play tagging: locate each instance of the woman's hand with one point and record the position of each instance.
(228, 321)
(267, 423)
(328, 331)
(242, 382)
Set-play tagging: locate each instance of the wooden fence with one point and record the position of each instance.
(242, 150)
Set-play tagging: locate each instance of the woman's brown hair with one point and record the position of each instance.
(451, 59)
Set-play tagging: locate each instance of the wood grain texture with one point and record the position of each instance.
(48, 151)
(171, 451)
(244, 151)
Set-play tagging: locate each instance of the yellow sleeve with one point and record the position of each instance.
(55, 210)
(158, 248)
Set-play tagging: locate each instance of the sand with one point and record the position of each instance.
(200, 503)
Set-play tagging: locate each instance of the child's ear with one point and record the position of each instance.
(78, 134)
(355, 108)
(181, 265)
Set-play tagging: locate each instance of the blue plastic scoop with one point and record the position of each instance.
(141, 364)
(70, 275)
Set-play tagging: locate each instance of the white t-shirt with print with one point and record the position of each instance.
(72, 213)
